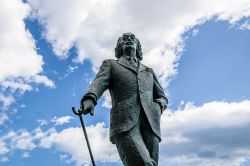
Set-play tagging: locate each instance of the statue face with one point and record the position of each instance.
(129, 41)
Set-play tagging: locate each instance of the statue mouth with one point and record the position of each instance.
(129, 43)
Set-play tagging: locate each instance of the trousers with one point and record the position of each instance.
(138, 146)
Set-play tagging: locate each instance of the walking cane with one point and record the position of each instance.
(85, 133)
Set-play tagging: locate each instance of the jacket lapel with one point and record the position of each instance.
(141, 67)
(122, 61)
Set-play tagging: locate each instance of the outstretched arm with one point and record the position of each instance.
(97, 87)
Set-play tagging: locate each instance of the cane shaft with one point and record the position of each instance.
(87, 140)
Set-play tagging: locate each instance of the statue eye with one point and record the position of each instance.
(125, 37)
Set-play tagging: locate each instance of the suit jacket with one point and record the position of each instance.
(129, 89)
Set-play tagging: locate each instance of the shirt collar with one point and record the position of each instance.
(129, 58)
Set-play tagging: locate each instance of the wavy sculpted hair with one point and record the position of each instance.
(119, 51)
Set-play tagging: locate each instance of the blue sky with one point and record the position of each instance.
(214, 66)
(51, 51)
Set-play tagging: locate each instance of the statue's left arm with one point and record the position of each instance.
(158, 93)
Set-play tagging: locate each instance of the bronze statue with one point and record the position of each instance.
(137, 103)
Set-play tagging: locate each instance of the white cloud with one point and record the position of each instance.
(41, 79)
(20, 64)
(195, 32)
(3, 118)
(6, 101)
(23, 141)
(69, 143)
(73, 12)
(25, 155)
(73, 143)
(94, 26)
(215, 133)
(42, 122)
(88, 78)
(17, 47)
(22, 105)
(3, 148)
(13, 86)
(66, 158)
(61, 120)
(106, 100)
(245, 26)
(70, 70)
(4, 159)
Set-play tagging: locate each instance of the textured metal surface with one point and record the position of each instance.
(128, 89)
(137, 97)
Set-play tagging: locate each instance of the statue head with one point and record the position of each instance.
(128, 41)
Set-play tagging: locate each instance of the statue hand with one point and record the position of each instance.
(87, 106)
(158, 106)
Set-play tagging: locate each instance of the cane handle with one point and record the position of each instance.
(76, 113)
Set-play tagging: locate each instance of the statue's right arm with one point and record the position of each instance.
(99, 84)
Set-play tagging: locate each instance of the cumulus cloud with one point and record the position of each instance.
(25, 155)
(61, 120)
(73, 12)
(245, 26)
(70, 70)
(17, 46)
(94, 26)
(41, 79)
(195, 32)
(3, 118)
(23, 141)
(20, 64)
(13, 86)
(69, 143)
(3, 148)
(42, 122)
(106, 100)
(6, 101)
(215, 133)
(73, 143)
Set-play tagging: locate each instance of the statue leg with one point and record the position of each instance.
(132, 149)
(150, 139)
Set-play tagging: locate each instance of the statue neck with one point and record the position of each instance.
(129, 52)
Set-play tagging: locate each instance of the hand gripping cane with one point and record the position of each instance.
(85, 133)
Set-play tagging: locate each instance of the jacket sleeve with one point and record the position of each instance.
(100, 83)
(158, 93)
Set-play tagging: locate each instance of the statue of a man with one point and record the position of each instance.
(137, 103)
